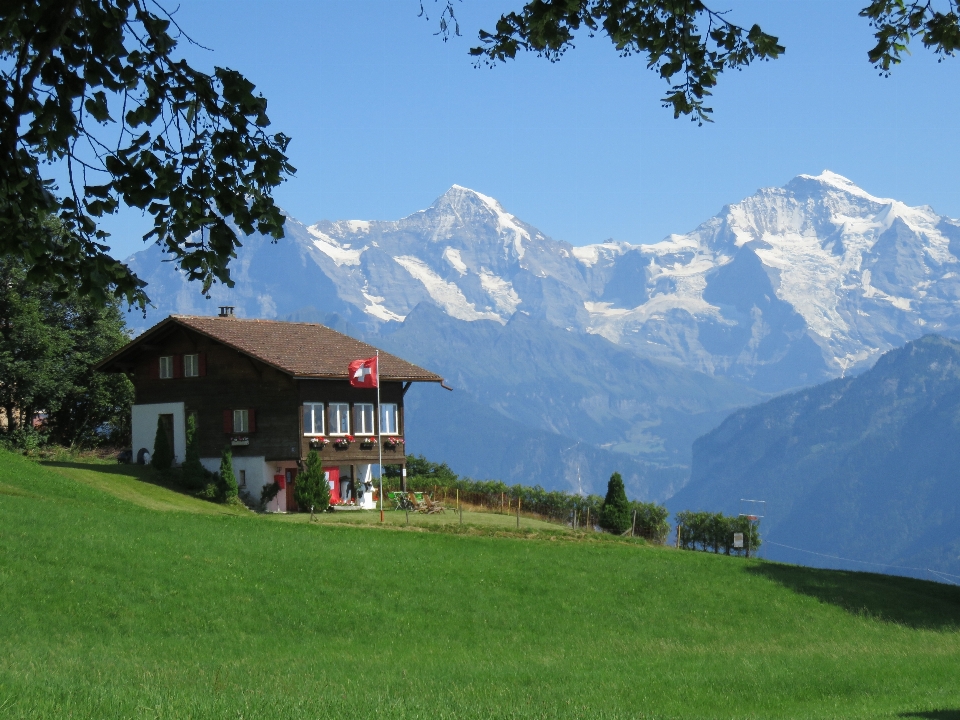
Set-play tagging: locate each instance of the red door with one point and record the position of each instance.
(291, 481)
(333, 479)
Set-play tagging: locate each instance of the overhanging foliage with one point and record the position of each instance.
(94, 85)
(687, 43)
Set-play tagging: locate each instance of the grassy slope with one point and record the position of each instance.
(113, 609)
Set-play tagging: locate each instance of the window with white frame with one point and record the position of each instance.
(241, 421)
(166, 367)
(313, 418)
(389, 419)
(363, 419)
(339, 418)
(191, 366)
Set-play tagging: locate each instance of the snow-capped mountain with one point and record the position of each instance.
(657, 343)
(464, 253)
(787, 287)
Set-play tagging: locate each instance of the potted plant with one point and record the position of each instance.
(368, 442)
(318, 443)
(342, 443)
(393, 442)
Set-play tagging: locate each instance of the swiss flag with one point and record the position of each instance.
(364, 373)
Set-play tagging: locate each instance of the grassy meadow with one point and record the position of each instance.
(120, 598)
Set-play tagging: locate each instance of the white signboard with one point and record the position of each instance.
(738, 540)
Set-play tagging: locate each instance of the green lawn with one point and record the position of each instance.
(123, 599)
(141, 486)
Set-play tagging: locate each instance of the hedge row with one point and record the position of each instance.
(570, 508)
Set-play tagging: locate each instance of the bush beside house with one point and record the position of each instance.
(311, 489)
(162, 457)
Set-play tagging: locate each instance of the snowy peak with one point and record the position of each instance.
(477, 218)
(783, 288)
(835, 181)
(836, 270)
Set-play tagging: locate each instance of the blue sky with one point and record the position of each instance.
(385, 116)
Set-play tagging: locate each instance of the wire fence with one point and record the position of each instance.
(532, 502)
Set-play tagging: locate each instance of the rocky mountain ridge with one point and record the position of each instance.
(788, 287)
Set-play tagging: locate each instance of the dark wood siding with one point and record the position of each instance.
(231, 381)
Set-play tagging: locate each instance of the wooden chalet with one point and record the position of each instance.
(271, 391)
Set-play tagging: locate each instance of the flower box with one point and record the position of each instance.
(393, 442)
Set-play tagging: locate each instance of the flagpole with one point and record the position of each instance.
(380, 435)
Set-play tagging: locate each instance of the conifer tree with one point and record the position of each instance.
(162, 457)
(193, 471)
(228, 481)
(615, 513)
(311, 488)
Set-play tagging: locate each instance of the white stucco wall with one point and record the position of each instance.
(258, 473)
(144, 422)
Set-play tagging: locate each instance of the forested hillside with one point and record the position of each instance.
(865, 468)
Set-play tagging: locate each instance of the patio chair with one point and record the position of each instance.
(418, 505)
(433, 506)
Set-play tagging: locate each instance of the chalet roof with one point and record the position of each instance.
(306, 350)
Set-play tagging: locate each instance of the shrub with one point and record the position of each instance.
(25, 439)
(651, 521)
(211, 490)
(311, 489)
(615, 513)
(714, 531)
(228, 481)
(162, 457)
(268, 493)
(195, 476)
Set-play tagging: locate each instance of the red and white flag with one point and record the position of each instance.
(364, 373)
